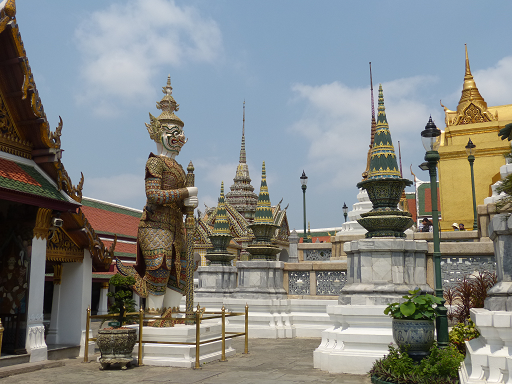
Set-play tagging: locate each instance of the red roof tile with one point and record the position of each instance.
(111, 222)
(11, 170)
(122, 247)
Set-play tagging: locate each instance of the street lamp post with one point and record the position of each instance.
(430, 138)
(470, 150)
(345, 211)
(304, 182)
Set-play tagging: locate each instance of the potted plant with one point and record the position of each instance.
(413, 322)
(116, 342)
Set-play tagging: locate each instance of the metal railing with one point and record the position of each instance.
(199, 317)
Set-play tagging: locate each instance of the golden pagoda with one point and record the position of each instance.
(472, 119)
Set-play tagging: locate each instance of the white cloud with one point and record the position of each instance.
(337, 121)
(124, 45)
(495, 83)
(126, 189)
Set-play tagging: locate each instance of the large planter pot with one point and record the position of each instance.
(116, 346)
(416, 335)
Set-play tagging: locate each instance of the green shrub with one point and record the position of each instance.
(462, 332)
(123, 298)
(440, 367)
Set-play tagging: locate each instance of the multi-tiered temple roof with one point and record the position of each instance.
(242, 196)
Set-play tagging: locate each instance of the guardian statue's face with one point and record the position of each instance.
(172, 138)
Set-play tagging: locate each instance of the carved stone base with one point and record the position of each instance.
(116, 346)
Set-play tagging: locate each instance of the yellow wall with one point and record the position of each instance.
(454, 170)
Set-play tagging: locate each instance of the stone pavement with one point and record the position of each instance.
(281, 361)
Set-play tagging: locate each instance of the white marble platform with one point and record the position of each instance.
(360, 334)
(489, 357)
(176, 355)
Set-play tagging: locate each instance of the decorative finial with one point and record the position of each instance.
(167, 90)
(468, 69)
(242, 149)
(373, 127)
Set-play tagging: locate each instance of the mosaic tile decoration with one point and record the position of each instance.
(298, 283)
(454, 268)
(317, 254)
(330, 283)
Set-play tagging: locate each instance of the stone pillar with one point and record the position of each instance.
(294, 241)
(500, 231)
(35, 343)
(103, 304)
(51, 338)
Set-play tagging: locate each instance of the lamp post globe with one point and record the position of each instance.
(470, 150)
(304, 182)
(345, 211)
(431, 137)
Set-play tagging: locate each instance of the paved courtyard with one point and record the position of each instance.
(283, 361)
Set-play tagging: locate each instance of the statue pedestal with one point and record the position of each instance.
(176, 355)
(215, 283)
(260, 279)
(216, 280)
(379, 271)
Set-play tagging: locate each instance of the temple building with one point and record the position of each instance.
(240, 205)
(474, 120)
(44, 232)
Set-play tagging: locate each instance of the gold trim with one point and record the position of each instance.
(61, 247)
(479, 153)
(57, 274)
(42, 226)
(64, 183)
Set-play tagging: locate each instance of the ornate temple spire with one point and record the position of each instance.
(242, 149)
(373, 127)
(472, 107)
(221, 225)
(383, 162)
(242, 196)
(264, 210)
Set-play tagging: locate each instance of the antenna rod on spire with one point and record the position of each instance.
(374, 123)
(243, 122)
(400, 160)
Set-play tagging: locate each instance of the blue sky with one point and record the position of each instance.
(301, 67)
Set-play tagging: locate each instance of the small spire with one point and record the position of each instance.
(373, 127)
(264, 210)
(167, 90)
(466, 114)
(242, 149)
(383, 163)
(221, 225)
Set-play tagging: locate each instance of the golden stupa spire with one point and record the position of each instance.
(472, 107)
